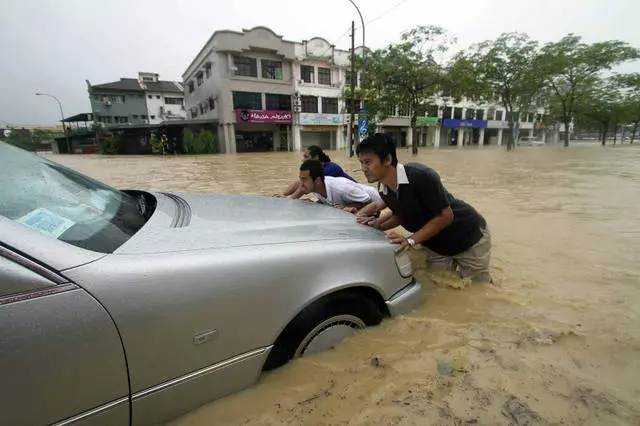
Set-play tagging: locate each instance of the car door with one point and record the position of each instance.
(61, 358)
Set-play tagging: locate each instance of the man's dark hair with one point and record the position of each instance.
(315, 169)
(316, 151)
(380, 145)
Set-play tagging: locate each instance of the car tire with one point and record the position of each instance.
(320, 325)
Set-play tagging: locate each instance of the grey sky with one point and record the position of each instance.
(54, 45)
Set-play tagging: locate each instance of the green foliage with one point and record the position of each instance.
(156, 145)
(109, 145)
(22, 138)
(500, 70)
(570, 69)
(204, 142)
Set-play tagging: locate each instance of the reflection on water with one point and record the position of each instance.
(557, 339)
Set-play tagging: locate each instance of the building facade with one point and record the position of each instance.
(320, 72)
(136, 101)
(245, 81)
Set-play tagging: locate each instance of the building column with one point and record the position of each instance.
(297, 143)
(409, 137)
(339, 138)
(230, 143)
(436, 141)
(544, 135)
(481, 138)
(499, 137)
(460, 136)
(275, 146)
(531, 133)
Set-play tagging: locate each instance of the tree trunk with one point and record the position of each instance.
(566, 131)
(414, 139)
(633, 134)
(615, 133)
(604, 135)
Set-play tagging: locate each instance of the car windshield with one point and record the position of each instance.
(65, 204)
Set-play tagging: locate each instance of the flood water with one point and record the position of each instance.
(556, 339)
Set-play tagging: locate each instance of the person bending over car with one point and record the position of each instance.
(314, 152)
(453, 233)
(335, 191)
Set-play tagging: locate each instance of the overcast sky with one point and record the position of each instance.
(53, 46)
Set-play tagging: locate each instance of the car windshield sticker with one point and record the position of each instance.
(47, 222)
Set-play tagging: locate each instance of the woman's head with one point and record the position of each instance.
(314, 152)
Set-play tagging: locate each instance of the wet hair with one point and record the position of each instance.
(380, 145)
(315, 169)
(316, 151)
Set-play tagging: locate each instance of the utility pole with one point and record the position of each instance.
(352, 123)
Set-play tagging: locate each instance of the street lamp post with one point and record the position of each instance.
(64, 129)
(364, 54)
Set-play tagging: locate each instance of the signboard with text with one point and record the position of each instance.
(427, 121)
(497, 124)
(263, 116)
(478, 124)
(307, 118)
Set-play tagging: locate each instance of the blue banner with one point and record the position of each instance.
(363, 127)
(478, 124)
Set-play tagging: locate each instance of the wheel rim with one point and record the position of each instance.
(328, 334)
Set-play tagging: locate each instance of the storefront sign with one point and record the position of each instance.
(307, 118)
(314, 128)
(448, 122)
(497, 124)
(427, 121)
(540, 126)
(263, 116)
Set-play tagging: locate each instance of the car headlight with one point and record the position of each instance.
(403, 262)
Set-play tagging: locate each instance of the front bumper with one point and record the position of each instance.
(406, 299)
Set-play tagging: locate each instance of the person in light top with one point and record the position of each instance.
(339, 192)
(314, 152)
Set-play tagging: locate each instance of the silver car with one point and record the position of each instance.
(133, 307)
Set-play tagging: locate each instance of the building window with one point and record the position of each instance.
(194, 112)
(245, 67)
(499, 115)
(212, 104)
(173, 101)
(330, 105)
(150, 96)
(153, 117)
(309, 103)
(247, 100)
(191, 88)
(479, 114)
(278, 102)
(469, 114)
(202, 105)
(531, 117)
(307, 73)
(271, 70)
(199, 78)
(457, 113)
(324, 76)
(144, 117)
(120, 119)
(147, 79)
(135, 115)
(157, 96)
(207, 70)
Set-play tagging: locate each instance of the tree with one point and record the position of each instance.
(22, 138)
(569, 68)
(499, 70)
(630, 86)
(406, 74)
(601, 105)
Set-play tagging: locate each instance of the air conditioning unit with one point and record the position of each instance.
(297, 108)
(107, 103)
(300, 81)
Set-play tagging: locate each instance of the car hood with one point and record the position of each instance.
(193, 221)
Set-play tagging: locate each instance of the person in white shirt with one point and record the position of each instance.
(335, 191)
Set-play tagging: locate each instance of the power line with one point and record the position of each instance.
(395, 6)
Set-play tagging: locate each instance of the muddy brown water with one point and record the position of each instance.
(556, 340)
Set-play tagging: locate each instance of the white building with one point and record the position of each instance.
(319, 76)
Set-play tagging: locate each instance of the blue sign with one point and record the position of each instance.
(363, 126)
(478, 124)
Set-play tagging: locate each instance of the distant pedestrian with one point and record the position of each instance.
(454, 234)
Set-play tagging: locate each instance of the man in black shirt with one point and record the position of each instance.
(453, 233)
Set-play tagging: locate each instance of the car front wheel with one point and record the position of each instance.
(323, 325)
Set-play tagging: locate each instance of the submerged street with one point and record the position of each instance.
(555, 340)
